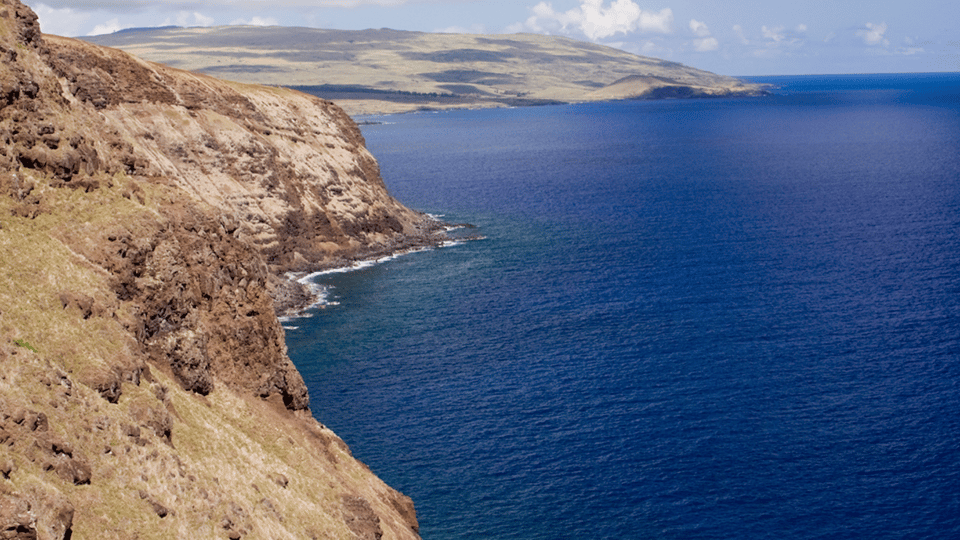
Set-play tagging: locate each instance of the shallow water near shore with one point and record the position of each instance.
(687, 319)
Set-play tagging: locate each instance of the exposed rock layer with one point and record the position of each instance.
(291, 168)
(146, 214)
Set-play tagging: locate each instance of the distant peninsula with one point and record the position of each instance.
(391, 71)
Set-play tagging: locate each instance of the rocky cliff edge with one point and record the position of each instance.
(147, 218)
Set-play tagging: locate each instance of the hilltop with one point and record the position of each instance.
(387, 70)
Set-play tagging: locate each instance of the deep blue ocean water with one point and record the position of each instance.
(694, 319)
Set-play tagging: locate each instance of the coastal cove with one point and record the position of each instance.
(711, 319)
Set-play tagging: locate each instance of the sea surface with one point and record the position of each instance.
(699, 319)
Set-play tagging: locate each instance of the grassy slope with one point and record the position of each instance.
(231, 461)
(146, 459)
(392, 70)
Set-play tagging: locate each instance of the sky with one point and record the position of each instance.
(732, 37)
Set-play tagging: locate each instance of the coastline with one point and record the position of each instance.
(295, 292)
(360, 110)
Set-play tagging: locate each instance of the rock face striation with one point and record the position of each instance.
(148, 218)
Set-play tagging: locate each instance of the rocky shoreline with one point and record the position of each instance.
(292, 296)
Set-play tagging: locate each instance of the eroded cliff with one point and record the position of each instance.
(146, 214)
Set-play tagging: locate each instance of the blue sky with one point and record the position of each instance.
(734, 37)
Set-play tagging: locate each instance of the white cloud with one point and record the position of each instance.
(774, 34)
(738, 30)
(704, 42)
(595, 20)
(873, 34)
(255, 21)
(186, 18)
(183, 18)
(698, 28)
(660, 22)
(778, 37)
(773, 41)
(109, 27)
(61, 22)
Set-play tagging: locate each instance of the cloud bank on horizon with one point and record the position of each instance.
(739, 37)
(595, 21)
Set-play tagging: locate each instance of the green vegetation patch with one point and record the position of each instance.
(24, 344)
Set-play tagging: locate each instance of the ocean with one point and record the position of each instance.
(687, 319)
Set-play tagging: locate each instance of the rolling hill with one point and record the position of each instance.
(380, 71)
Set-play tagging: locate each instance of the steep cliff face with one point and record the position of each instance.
(292, 168)
(146, 214)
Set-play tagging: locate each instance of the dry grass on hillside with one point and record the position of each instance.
(160, 461)
(394, 71)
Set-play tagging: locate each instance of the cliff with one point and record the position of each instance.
(148, 217)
